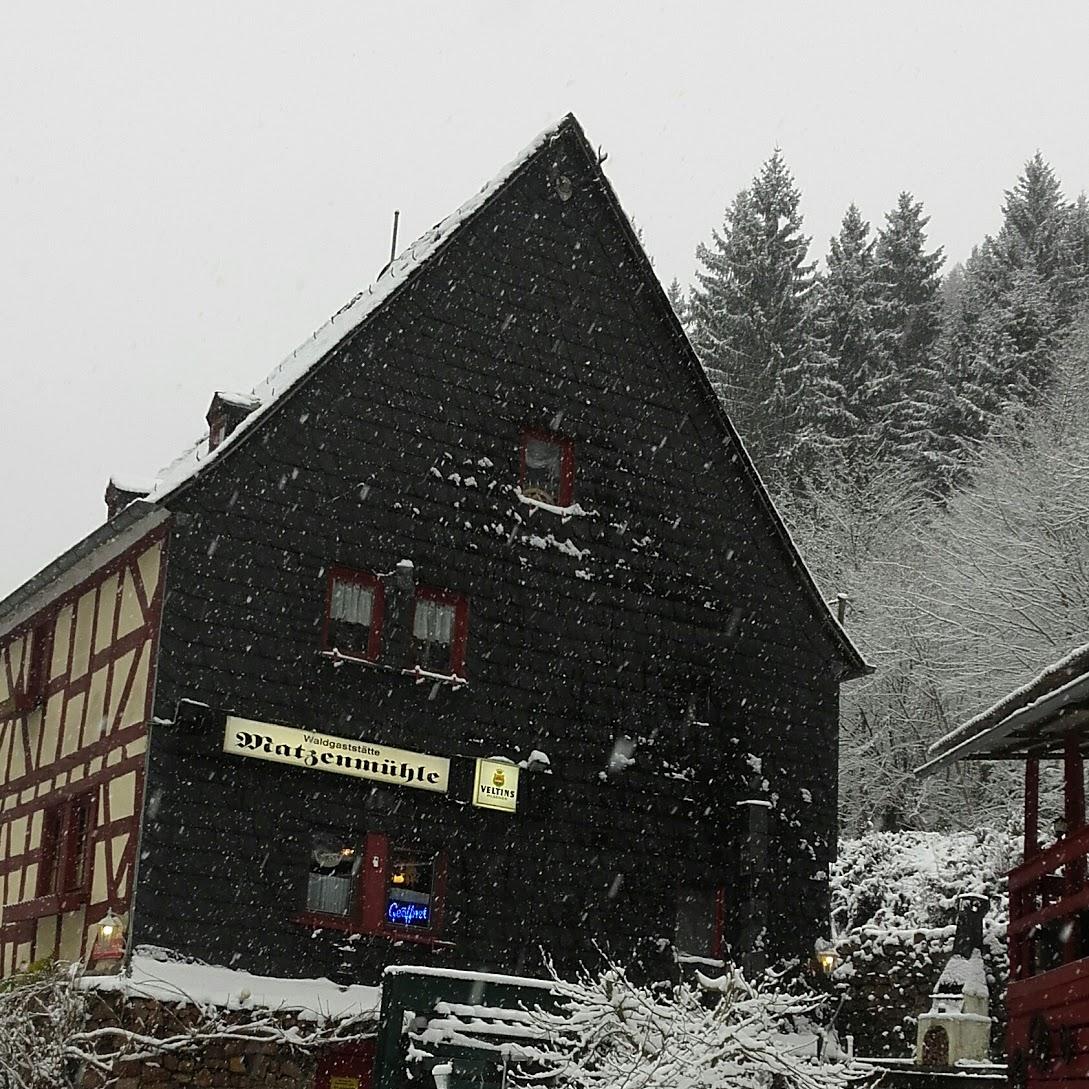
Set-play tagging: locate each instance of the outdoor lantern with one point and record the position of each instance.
(827, 957)
(109, 943)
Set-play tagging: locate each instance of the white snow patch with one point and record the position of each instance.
(167, 980)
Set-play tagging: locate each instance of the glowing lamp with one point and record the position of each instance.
(827, 957)
(109, 943)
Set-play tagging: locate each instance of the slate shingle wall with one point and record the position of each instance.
(535, 313)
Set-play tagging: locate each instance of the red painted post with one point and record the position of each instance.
(1032, 807)
(1074, 789)
(1075, 785)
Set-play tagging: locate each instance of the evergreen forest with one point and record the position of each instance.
(925, 433)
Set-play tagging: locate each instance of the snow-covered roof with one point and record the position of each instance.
(153, 974)
(305, 359)
(1030, 719)
(345, 321)
(967, 976)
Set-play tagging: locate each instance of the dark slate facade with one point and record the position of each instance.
(672, 612)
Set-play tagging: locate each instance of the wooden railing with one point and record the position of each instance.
(1046, 905)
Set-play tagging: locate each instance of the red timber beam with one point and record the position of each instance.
(1074, 792)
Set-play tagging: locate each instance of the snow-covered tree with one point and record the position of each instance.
(749, 316)
(722, 1032)
(908, 320)
(678, 300)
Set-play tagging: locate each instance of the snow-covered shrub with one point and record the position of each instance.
(40, 1013)
(722, 1034)
(894, 908)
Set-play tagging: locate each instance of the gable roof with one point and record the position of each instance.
(350, 319)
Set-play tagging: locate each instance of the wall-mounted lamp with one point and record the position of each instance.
(827, 957)
(108, 949)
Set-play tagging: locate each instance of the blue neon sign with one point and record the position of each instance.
(407, 913)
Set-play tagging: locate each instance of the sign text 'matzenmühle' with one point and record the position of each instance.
(342, 755)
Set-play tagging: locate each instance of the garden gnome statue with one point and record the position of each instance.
(957, 1025)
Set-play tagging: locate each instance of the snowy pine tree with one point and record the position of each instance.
(845, 323)
(749, 317)
(909, 320)
(678, 300)
(1022, 292)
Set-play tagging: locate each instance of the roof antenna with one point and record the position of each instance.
(393, 242)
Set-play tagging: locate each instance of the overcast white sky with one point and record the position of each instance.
(187, 190)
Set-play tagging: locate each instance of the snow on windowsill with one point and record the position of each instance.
(423, 675)
(571, 511)
(152, 974)
(338, 658)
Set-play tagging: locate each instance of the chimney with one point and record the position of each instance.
(971, 908)
(957, 1027)
(399, 595)
(120, 495)
(225, 413)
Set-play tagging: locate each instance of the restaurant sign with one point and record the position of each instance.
(342, 755)
(495, 785)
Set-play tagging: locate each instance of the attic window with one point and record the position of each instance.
(439, 630)
(353, 621)
(225, 413)
(548, 468)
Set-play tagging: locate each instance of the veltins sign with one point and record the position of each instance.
(342, 755)
(495, 785)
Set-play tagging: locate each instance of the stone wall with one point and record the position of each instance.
(207, 1060)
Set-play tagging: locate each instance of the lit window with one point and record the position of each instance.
(354, 614)
(699, 923)
(334, 866)
(411, 888)
(438, 631)
(548, 469)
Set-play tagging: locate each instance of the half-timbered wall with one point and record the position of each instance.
(73, 724)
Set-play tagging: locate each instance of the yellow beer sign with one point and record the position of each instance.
(342, 755)
(495, 785)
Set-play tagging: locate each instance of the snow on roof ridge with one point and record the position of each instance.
(243, 400)
(1040, 685)
(300, 362)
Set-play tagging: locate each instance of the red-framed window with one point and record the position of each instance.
(64, 859)
(34, 676)
(547, 471)
(440, 631)
(700, 920)
(389, 886)
(354, 609)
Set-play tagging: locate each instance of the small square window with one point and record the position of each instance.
(699, 923)
(353, 623)
(548, 469)
(439, 628)
(334, 869)
(410, 889)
